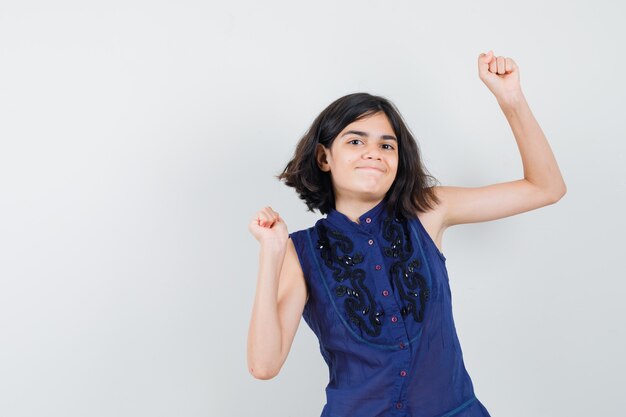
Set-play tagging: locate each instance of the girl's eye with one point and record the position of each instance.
(390, 147)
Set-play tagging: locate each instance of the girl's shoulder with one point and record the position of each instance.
(299, 237)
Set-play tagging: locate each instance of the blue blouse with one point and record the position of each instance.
(380, 305)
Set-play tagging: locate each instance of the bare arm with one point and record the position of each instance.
(278, 304)
(542, 184)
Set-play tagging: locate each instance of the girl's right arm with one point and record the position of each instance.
(280, 296)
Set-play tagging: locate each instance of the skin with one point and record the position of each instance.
(351, 158)
(281, 290)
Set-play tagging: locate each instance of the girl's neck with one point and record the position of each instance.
(353, 209)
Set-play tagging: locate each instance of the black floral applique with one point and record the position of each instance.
(404, 275)
(358, 300)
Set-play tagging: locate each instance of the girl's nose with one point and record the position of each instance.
(372, 152)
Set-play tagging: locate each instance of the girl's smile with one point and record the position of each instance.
(372, 169)
(367, 148)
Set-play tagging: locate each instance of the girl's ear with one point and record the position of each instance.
(320, 157)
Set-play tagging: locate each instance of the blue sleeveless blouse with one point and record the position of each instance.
(380, 305)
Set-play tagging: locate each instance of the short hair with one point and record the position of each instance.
(411, 190)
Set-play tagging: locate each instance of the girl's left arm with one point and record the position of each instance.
(542, 184)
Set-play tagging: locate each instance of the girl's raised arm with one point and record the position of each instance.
(280, 296)
(542, 184)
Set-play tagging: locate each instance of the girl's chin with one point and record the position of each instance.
(373, 186)
(374, 189)
(369, 184)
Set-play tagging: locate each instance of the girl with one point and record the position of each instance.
(370, 279)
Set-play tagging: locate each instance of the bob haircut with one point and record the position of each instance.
(411, 189)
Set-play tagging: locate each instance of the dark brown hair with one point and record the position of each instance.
(411, 190)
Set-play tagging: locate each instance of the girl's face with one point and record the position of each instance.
(363, 158)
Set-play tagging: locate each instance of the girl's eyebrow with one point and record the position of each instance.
(358, 132)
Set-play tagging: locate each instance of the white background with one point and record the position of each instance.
(138, 139)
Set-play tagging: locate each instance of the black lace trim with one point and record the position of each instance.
(359, 302)
(359, 298)
(404, 274)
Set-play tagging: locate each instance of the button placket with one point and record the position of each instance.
(378, 267)
(394, 318)
(387, 300)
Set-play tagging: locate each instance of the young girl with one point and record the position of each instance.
(370, 279)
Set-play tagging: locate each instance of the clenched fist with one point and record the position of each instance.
(501, 75)
(268, 227)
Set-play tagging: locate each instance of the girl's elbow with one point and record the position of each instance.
(263, 373)
(562, 191)
(261, 368)
(556, 193)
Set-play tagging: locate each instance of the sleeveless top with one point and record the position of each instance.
(380, 305)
